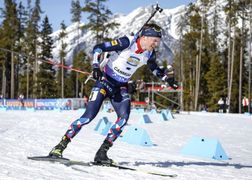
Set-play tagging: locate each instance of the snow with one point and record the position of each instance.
(175, 15)
(35, 133)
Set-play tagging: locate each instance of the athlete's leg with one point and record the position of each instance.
(121, 104)
(98, 94)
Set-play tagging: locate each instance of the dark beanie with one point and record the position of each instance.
(151, 31)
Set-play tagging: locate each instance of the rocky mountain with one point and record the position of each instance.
(168, 19)
(132, 22)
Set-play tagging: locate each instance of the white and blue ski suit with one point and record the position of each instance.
(126, 56)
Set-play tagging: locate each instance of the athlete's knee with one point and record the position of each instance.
(75, 127)
(124, 118)
(120, 123)
(77, 124)
(116, 129)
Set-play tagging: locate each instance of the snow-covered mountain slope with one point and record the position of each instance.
(128, 24)
(132, 22)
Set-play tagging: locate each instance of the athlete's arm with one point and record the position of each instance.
(151, 63)
(115, 45)
(166, 75)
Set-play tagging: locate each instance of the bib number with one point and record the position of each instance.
(93, 95)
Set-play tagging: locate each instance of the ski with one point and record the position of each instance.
(49, 158)
(68, 162)
(60, 160)
(138, 170)
(81, 163)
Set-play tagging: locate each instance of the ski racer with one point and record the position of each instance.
(127, 54)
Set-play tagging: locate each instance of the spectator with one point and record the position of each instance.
(245, 104)
(221, 105)
(21, 99)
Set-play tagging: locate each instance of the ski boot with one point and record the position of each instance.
(59, 148)
(101, 157)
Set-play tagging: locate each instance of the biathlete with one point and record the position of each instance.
(127, 54)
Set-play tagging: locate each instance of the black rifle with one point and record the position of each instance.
(157, 9)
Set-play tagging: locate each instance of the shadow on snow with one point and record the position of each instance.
(180, 164)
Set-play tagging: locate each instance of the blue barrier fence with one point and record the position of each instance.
(42, 104)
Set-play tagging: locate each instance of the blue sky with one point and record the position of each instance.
(59, 10)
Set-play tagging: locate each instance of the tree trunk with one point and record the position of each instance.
(77, 85)
(3, 82)
(241, 63)
(12, 75)
(198, 68)
(27, 78)
(196, 82)
(191, 77)
(82, 87)
(181, 76)
(77, 74)
(35, 72)
(229, 49)
(231, 73)
(250, 60)
(62, 79)
(240, 79)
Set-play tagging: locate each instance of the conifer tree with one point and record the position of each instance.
(215, 82)
(189, 54)
(243, 14)
(22, 17)
(61, 74)
(99, 19)
(26, 47)
(35, 21)
(82, 62)
(2, 65)
(76, 17)
(31, 48)
(235, 99)
(231, 9)
(10, 27)
(76, 11)
(46, 74)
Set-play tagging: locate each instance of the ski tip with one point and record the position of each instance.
(46, 158)
(173, 175)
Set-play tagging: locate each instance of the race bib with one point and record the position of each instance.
(93, 95)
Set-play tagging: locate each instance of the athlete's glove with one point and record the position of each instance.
(97, 74)
(169, 77)
(171, 81)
